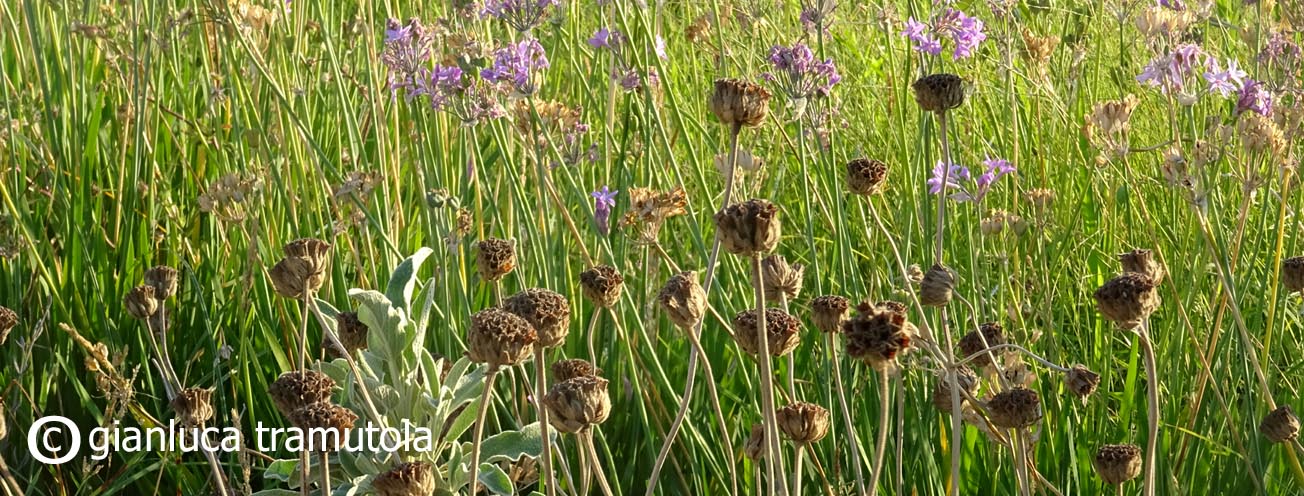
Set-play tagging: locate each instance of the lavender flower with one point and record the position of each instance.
(922, 36)
(798, 74)
(518, 65)
(946, 178)
(958, 177)
(606, 38)
(603, 200)
(442, 84)
(405, 56)
(450, 90)
(965, 33)
(521, 15)
(1224, 82)
(1254, 98)
(659, 47)
(1169, 72)
(624, 73)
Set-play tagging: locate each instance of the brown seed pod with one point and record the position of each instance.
(575, 404)
(972, 343)
(164, 281)
(325, 425)
(866, 176)
(803, 423)
(968, 381)
(351, 332)
(1292, 273)
(193, 406)
(749, 228)
(602, 285)
(548, 311)
(406, 479)
(1117, 463)
(1127, 299)
(303, 270)
(564, 370)
(939, 92)
(781, 278)
(877, 334)
(313, 249)
(739, 103)
(8, 320)
(1081, 381)
(294, 390)
(683, 299)
(499, 338)
(937, 287)
(140, 302)
(495, 258)
(754, 446)
(829, 312)
(1015, 408)
(1281, 425)
(782, 332)
(1142, 262)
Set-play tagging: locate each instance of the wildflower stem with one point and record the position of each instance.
(767, 384)
(957, 433)
(796, 469)
(478, 435)
(586, 477)
(219, 479)
(593, 461)
(846, 417)
(1152, 403)
(792, 358)
(1021, 463)
(331, 338)
(540, 389)
(325, 474)
(884, 397)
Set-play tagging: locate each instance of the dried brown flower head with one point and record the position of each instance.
(749, 228)
(829, 312)
(754, 447)
(1158, 21)
(1127, 299)
(683, 299)
(1038, 49)
(294, 390)
(8, 320)
(699, 31)
(989, 333)
(140, 302)
(325, 425)
(1281, 425)
(602, 285)
(164, 281)
(1015, 408)
(1081, 381)
(564, 370)
(739, 103)
(649, 209)
(495, 258)
(303, 270)
(1292, 273)
(803, 423)
(499, 338)
(781, 330)
(1117, 463)
(351, 332)
(781, 278)
(866, 176)
(877, 334)
(937, 287)
(575, 404)
(193, 406)
(1108, 124)
(968, 382)
(406, 479)
(939, 92)
(1143, 262)
(546, 310)
(1260, 134)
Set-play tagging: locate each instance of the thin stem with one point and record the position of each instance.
(715, 403)
(846, 417)
(303, 332)
(1049, 364)
(331, 337)
(593, 461)
(1021, 463)
(1152, 402)
(593, 327)
(586, 468)
(796, 469)
(219, 479)
(325, 473)
(772, 454)
(479, 428)
(957, 426)
(884, 397)
(540, 389)
(792, 357)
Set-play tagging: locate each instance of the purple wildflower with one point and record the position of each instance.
(946, 178)
(518, 65)
(405, 56)
(603, 200)
(970, 189)
(922, 36)
(442, 84)
(521, 15)
(1172, 5)
(1169, 72)
(659, 47)
(1254, 98)
(1224, 82)
(965, 33)
(606, 38)
(798, 74)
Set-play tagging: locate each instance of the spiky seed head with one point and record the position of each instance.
(1015, 408)
(294, 390)
(803, 423)
(546, 310)
(866, 176)
(351, 332)
(577, 403)
(683, 299)
(140, 302)
(989, 333)
(313, 249)
(1143, 262)
(965, 378)
(602, 285)
(1081, 381)
(8, 320)
(564, 370)
(754, 446)
(1292, 273)
(303, 270)
(829, 312)
(335, 420)
(749, 228)
(878, 333)
(782, 332)
(939, 92)
(1117, 463)
(781, 278)
(499, 338)
(737, 103)
(936, 289)
(1281, 425)
(193, 406)
(495, 258)
(1127, 299)
(406, 479)
(164, 281)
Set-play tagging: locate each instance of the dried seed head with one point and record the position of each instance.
(294, 390)
(333, 419)
(568, 369)
(164, 281)
(781, 330)
(739, 103)
(1127, 299)
(683, 299)
(973, 343)
(313, 249)
(754, 446)
(781, 278)
(749, 228)
(351, 332)
(1015, 408)
(1260, 134)
(140, 302)
(548, 311)
(937, 287)
(406, 479)
(939, 92)
(829, 312)
(1081, 381)
(803, 423)
(8, 320)
(495, 258)
(1281, 425)
(877, 334)
(602, 285)
(303, 270)
(1016, 372)
(575, 404)
(1142, 262)
(967, 380)
(1117, 463)
(193, 406)
(499, 338)
(866, 176)
(1292, 274)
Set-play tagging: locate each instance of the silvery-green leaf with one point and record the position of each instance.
(386, 322)
(402, 281)
(349, 462)
(421, 315)
(337, 370)
(327, 310)
(464, 420)
(281, 470)
(512, 445)
(496, 480)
